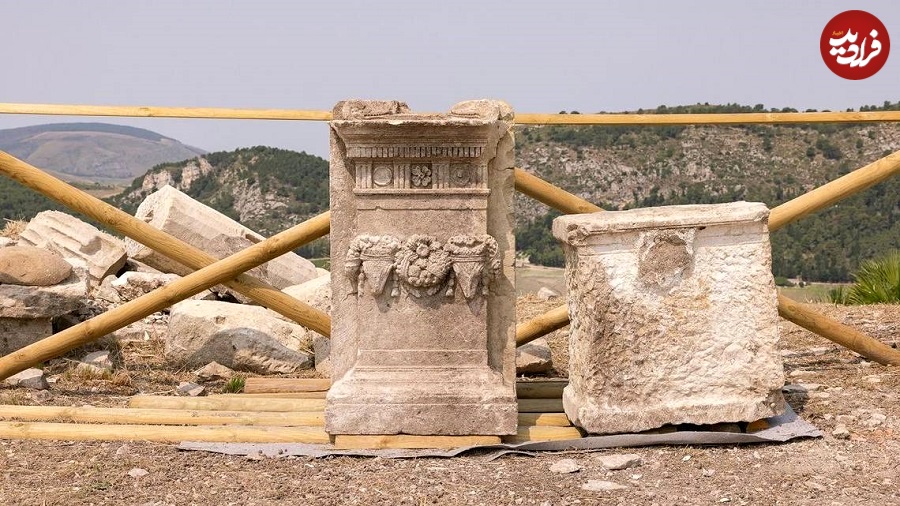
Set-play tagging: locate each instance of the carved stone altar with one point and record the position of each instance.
(423, 322)
(674, 317)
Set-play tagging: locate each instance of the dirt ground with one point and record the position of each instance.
(840, 388)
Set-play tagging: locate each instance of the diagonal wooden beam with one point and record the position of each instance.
(795, 209)
(163, 297)
(193, 257)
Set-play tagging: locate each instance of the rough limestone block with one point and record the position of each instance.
(247, 338)
(17, 301)
(17, 333)
(674, 317)
(317, 293)
(100, 253)
(201, 226)
(423, 317)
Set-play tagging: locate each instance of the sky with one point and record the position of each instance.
(540, 57)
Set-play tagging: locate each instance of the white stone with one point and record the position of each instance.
(29, 378)
(137, 472)
(840, 432)
(213, 371)
(619, 461)
(674, 317)
(565, 466)
(241, 337)
(205, 228)
(101, 253)
(546, 293)
(534, 357)
(316, 293)
(99, 359)
(602, 486)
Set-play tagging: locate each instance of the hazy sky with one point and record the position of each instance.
(539, 56)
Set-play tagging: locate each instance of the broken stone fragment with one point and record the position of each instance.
(100, 253)
(99, 359)
(213, 371)
(29, 378)
(247, 338)
(317, 293)
(546, 293)
(534, 357)
(189, 389)
(619, 461)
(205, 228)
(31, 266)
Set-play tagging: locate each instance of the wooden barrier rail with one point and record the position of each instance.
(521, 118)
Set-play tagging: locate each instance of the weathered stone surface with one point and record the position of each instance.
(189, 389)
(317, 293)
(565, 466)
(18, 301)
(31, 266)
(422, 251)
(99, 252)
(29, 378)
(99, 359)
(213, 371)
(248, 338)
(674, 317)
(617, 461)
(534, 357)
(205, 228)
(133, 284)
(546, 293)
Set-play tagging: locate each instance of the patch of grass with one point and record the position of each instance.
(234, 385)
(13, 228)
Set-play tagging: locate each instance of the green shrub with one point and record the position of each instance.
(877, 282)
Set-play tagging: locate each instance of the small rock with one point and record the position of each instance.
(41, 396)
(99, 359)
(875, 419)
(6, 241)
(845, 419)
(122, 451)
(137, 472)
(29, 378)
(602, 486)
(186, 388)
(565, 466)
(534, 357)
(618, 461)
(213, 371)
(30, 266)
(708, 473)
(546, 293)
(840, 432)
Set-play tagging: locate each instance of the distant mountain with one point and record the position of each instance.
(93, 152)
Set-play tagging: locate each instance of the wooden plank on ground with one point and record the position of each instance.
(162, 433)
(271, 385)
(538, 433)
(89, 414)
(544, 420)
(543, 389)
(540, 405)
(405, 441)
(223, 403)
(280, 395)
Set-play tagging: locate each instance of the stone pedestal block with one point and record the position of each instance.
(422, 251)
(674, 317)
(205, 228)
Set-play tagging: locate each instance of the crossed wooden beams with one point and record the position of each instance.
(231, 270)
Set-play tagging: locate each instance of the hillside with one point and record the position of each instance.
(624, 167)
(89, 152)
(266, 189)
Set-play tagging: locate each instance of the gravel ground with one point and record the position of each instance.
(861, 467)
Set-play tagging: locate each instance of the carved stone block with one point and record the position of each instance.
(423, 326)
(674, 317)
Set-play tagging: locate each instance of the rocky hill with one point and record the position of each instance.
(93, 152)
(623, 167)
(266, 189)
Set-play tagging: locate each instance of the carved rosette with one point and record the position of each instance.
(422, 265)
(371, 258)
